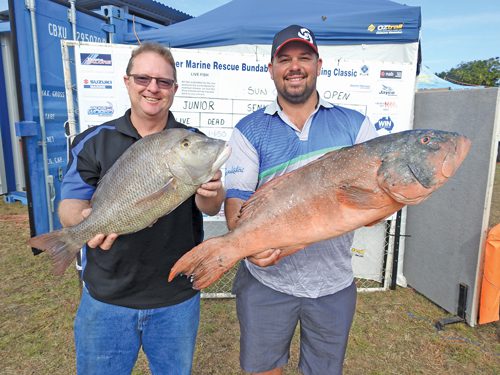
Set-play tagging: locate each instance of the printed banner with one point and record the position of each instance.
(218, 88)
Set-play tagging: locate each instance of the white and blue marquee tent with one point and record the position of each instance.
(334, 22)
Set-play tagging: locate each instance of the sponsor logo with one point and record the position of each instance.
(97, 84)
(234, 170)
(305, 34)
(360, 86)
(386, 105)
(364, 70)
(96, 59)
(358, 252)
(387, 90)
(101, 110)
(385, 123)
(386, 29)
(395, 74)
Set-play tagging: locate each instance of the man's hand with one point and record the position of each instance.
(272, 256)
(212, 187)
(265, 258)
(104, 242)
(210, 195)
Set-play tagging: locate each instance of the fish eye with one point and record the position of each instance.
(185, 143)
(425, 139)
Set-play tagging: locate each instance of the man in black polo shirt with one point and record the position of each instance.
(126, 300)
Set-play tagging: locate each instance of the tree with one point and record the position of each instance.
(477, 72)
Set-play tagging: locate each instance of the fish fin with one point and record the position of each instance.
(206, 263)
(58, 245)
(165, 189)
(357, 197)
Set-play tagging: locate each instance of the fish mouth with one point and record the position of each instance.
(220, 160)
(223, 156)
(449, 165)
(429, 182)
(408, 201)
(453, 159)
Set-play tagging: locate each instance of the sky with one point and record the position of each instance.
(453, 31)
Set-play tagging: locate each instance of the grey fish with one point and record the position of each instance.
(335, 194)
(149, 180)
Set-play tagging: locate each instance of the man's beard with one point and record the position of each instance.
(298, 97)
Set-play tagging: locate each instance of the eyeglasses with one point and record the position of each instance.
(145, 80)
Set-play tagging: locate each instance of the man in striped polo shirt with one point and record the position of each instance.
(314, 286)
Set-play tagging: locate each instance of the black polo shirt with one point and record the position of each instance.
(134, 272)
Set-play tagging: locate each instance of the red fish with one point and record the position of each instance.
(341, 191)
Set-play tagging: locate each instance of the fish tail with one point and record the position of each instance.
(59, 246)
(207, 262)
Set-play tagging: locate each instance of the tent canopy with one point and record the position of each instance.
(334, 22)
(430, 81)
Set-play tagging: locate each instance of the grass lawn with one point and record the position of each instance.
(393, 331)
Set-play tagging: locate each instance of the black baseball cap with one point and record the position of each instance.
(293, 33)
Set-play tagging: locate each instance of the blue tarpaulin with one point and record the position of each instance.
(334, 22)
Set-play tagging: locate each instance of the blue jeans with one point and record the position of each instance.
(108, 337)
